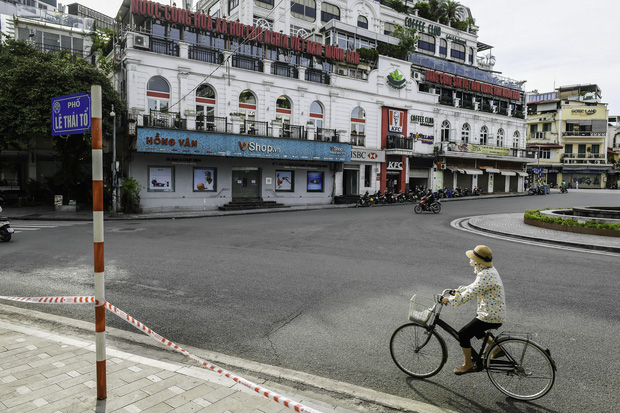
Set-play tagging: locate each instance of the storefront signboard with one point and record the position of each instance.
(419, 137)
(473, 85)
(195, 143)
(485, 149)
(422, 120)
(396, 118)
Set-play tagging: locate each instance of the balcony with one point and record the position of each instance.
(173, 120)
(327, 135)
(205, 54)
(568, 134)
(399, 142)
(358, 139)
(584, 158)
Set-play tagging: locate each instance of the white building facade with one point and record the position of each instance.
(275, 105)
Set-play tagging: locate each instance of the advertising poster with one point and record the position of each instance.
(161, 179)
(315, 181)
(396, 120)
(284, 181)
(204, 179)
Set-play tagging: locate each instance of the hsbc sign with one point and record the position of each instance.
(367, 155)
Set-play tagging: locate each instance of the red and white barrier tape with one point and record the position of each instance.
(298, 407)
(52, 300)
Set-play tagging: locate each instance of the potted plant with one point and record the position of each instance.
(131, 194)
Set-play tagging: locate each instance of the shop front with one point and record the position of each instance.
(183, 170)
(363, 171)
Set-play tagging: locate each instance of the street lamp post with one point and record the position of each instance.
(114, 169)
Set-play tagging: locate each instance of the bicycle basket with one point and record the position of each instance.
(420, 310)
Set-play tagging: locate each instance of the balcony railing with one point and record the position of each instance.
(445, 100)
(583, 157)
(399, 142)
(168, 120)
(317, 76)
(326, 135)
(283, 69)
(358, 139)
(55, 49)
(212, 124)
(514, 152)
(164, 46)
(254, 128)
(173, 120)
(205, 54)
(583, 133)
(248, 63)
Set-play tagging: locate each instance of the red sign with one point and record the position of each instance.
(199, 20)
(474, 86)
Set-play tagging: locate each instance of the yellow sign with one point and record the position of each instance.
(583, 111)
(486, 149)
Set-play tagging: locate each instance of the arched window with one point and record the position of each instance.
(465, 133)
(358, 126)
(329, 12)
(205, 108)
(515, 139)
(445, 131)
(158, 94)
(443, 48)
(316, 114)
(500, 137)
(362, 22)
(457, 51)
(484, 135)
(426, 44)
(304, 9)
(283, 114)
(247, 105)
(471, 55)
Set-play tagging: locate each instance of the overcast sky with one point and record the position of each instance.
(549, 43)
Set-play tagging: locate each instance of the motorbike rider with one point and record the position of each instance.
(427, 200)
(564, 186)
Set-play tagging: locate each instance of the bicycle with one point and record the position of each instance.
(517, 366)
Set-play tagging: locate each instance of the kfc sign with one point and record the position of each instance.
(396, 120)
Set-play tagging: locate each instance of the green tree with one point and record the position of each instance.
(452, 10)
(29, 79)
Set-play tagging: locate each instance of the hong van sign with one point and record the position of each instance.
(71, 114)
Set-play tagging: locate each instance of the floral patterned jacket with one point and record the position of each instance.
(488, 290)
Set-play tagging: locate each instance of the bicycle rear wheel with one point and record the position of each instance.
(525, 371)
(418, 352)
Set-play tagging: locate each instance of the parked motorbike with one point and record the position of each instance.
(477, 191)
(420, 206)
(380, 198)
(400, 197)
(6, 232)
(563, 189)
(365, 200)
(412, 196)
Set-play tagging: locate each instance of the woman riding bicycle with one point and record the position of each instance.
(488, 290)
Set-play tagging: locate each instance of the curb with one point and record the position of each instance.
(547, 240)
(269, 375)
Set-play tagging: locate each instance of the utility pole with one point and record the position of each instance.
(114, 168)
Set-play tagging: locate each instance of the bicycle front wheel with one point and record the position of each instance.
(524, 371)
(417, 351)
(417, 209)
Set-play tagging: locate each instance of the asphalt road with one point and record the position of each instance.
(322, 291)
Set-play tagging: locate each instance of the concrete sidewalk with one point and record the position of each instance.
(47, 364)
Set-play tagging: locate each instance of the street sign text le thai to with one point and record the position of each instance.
(71, 114)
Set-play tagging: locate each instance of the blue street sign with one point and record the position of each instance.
(71, 114)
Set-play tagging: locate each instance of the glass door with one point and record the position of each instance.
(245, 183)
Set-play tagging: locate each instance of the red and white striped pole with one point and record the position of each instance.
(95, 92)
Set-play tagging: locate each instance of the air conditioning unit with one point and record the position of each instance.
(417, 76)
(141, 41)
(342, 72)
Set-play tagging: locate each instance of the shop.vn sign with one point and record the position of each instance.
(257, 147)
(201, 21)
(474, 86)
(396, 79)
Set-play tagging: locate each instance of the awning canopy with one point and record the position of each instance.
(520, 173)
(492, 170)
(508, 173)
(470, 171)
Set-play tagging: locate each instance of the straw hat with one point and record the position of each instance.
(482, 255)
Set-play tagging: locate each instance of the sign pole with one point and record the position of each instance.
(97, 149)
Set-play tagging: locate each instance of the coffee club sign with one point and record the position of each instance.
(201, 21)
(474, 86)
